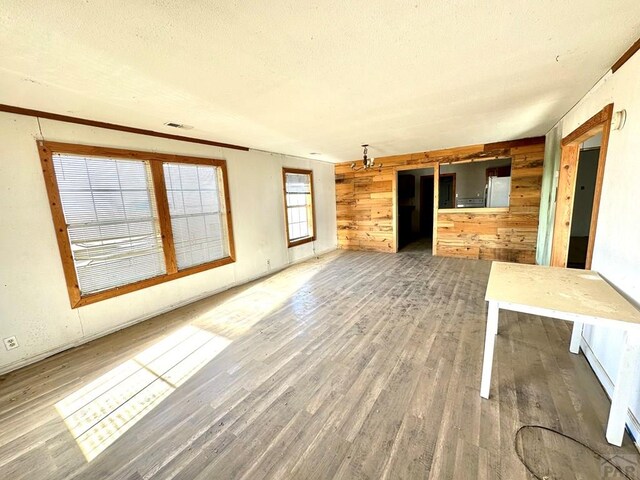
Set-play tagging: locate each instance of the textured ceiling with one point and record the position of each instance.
(297, 76)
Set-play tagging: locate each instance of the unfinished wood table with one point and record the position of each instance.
(578, 296)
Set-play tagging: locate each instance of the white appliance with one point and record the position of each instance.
(497, 191)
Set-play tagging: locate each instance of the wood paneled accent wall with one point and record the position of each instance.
(367, 210)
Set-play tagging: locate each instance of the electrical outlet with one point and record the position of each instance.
(10, 343)
(268, 264)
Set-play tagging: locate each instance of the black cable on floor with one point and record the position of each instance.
(596, 453)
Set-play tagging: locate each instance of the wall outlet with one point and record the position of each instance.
(10, 343)
(268, 264)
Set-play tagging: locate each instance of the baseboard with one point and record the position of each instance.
(41, 356)
(633, 425)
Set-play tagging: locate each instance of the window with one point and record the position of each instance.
(127, 220)
(298, 200)
(197, 221)
(477, 184)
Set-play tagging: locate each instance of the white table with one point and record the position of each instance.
(578, 296)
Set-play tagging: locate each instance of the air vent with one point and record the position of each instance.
(178, 125)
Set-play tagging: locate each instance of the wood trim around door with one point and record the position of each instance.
(599, 123)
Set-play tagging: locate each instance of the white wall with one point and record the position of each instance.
(616, 254)
(548, 194)
(34, 305)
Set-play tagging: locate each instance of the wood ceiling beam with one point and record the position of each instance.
(626, 56)
(114, 126)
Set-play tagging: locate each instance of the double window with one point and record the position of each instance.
(126, 220)
(298, 200)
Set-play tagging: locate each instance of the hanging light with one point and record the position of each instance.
(367, 162)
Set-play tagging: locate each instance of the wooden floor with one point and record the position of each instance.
(355, 365)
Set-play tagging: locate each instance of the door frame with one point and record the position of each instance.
(570, 153)
(394, 197)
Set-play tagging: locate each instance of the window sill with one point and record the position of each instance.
(148, 282)
(300, 241)
(482, 210)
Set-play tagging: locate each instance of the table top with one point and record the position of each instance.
(566, 290)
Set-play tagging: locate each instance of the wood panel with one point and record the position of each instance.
(365, 205)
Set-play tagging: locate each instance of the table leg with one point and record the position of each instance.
(576, 335)
(623, 387)
(489, 344)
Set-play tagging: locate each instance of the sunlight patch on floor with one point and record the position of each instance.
(236, 315)
(103, 410)
(100, 412)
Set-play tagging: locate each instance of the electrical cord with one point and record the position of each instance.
(596, 453)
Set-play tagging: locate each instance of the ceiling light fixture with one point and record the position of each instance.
(619, 119)
(367, 162)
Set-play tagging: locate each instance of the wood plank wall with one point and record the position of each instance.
(366, 205)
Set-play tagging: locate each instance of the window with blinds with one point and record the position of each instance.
(112, 220)
(298, 192)
(197, 218)
(126, 220)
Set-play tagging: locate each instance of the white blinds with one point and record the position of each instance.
(197, 217)
(298, 199)
(111, 216)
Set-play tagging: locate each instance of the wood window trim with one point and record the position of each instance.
(312, 238)
(46, 151)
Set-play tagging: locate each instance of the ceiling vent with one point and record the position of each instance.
(178, 125)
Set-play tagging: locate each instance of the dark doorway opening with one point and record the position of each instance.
(583, 207)
(415, 209)
(426, 206)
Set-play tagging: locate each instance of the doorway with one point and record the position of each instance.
(597, 127)
(583, 205)
(415, 191)
(426, 206)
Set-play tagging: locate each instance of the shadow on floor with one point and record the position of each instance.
(421, 245)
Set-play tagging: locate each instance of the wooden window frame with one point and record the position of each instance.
(48, 149)
(312, 217)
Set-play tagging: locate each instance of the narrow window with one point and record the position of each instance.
(126, 220)
(298, 199)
